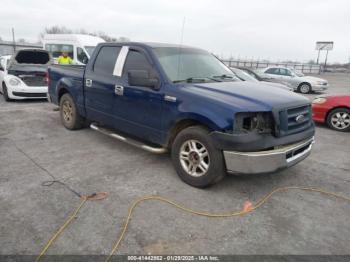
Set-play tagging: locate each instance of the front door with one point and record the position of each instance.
(138, 108)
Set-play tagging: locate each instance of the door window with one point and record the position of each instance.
(273, 71)
(136, 61)
(106, 59)
(81, 56)
(283, 72)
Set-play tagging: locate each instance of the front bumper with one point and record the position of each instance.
(319, 87)
(267, 161)
(26, 92)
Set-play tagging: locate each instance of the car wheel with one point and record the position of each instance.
(70, 116)
(304, 88)
(4, 93)
(196, 159)
(339, 119)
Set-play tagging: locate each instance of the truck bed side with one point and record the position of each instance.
(65, 79)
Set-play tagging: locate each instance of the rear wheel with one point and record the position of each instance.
(70, 116)
(304, 88)
(4, 92)
(339, 119)
(196, 160)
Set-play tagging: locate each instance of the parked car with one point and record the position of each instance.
(333, 110)
(194, 107)
(26, 75)
(244, 76)
(4, 61)
(79, 47)
(300, 82)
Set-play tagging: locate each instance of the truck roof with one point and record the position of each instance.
(150, 44)
(73, 37)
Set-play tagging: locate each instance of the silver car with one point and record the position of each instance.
(300, 82)
(245, 76)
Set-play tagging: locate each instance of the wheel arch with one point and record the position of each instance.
(185, 123)
(334, 108)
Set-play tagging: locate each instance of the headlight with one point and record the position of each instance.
(321, 83)
(319, 100)
(261, 122)
(14, 82)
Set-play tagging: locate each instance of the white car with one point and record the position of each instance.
(26, 75)
(300, 82)
(4, 61)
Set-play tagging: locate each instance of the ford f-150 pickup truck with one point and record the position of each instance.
(163, 97)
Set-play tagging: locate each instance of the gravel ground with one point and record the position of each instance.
(291, 223)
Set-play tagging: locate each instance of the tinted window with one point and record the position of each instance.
(105, 60)
(272, 71)
(57, 49)
(136, 61)
(81, 56)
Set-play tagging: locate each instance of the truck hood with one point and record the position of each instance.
(247, 96)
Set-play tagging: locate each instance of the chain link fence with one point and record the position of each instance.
(304, 68)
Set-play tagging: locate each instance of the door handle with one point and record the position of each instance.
(119, 90)
(88, 82)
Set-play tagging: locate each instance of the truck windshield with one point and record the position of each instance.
(89, 49)
(192, 65)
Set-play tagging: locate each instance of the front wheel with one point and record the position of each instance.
(305, 88)
(196, 160)
(70, 116)
(339, 119)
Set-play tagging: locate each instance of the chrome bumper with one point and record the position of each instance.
(267, 161)
(319, 87)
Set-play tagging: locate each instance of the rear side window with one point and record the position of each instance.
(56, 50)
(136, 61)
(105, 60)
(272, 71)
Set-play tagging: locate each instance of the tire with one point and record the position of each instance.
(193, 143)
(305, 88)
(4, 93)
(339, 119)
(70, 117)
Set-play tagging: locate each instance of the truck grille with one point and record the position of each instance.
(295, 120)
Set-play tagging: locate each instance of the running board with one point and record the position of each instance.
(155, 150)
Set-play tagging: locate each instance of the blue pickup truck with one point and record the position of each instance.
(183, 100)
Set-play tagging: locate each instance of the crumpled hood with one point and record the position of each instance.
(247, 96)
(312, 79)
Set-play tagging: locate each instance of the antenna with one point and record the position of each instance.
(180, 45)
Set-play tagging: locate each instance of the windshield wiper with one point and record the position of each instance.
(224, 76)
(195, 79)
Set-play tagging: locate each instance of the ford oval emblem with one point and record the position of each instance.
(300, 118)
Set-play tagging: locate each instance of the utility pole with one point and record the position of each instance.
(325, 61)
(318, 56)
(13, 39)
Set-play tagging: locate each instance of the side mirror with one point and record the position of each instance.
(142, 78)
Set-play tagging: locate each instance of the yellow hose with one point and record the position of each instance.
(183, 208)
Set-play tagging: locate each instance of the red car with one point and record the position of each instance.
(334, 110)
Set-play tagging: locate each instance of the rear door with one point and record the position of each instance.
(100, 84)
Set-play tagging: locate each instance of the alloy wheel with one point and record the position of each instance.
(194, 158)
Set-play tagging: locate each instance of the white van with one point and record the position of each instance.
(79, 47)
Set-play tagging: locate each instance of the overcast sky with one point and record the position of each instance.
(265, 29)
